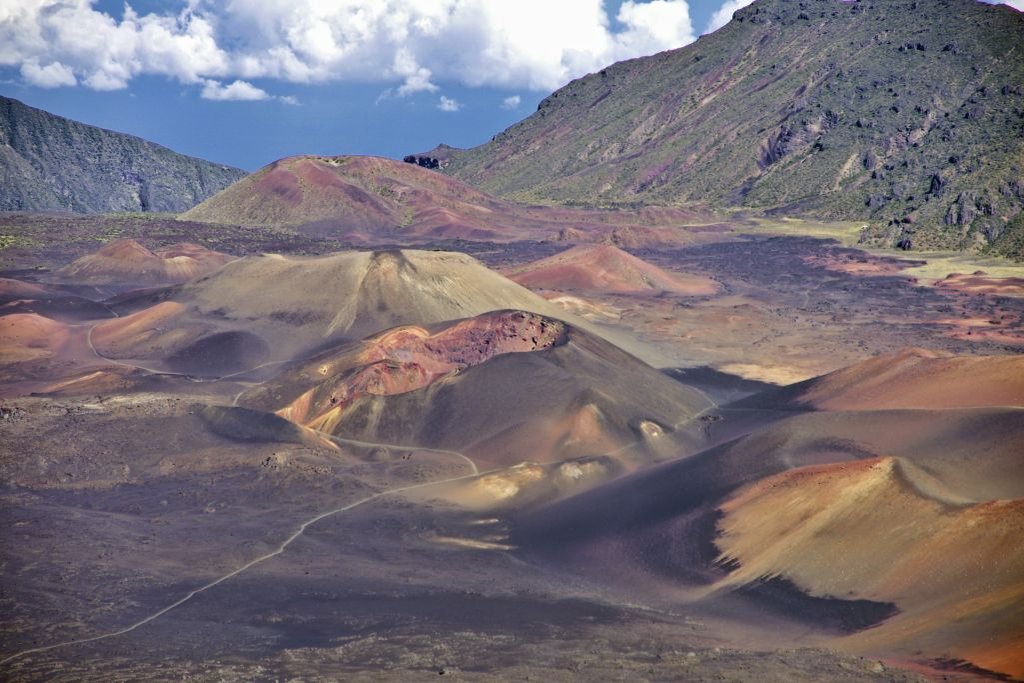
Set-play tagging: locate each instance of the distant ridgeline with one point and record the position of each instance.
(49, 163)
(908, 114)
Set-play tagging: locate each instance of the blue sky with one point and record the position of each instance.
(245, 82)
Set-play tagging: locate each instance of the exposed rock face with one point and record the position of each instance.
(49, 163)
(756, 115)
(410, 358)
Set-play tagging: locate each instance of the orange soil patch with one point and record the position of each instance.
(97, 382)
(28, 337)
(856, 265)
(142, 333)
(1002, 330)
(16, 289)
(128, 261)
(917, 378)
(409, 358)
(819, 527)
(980, 282)
(607, 268)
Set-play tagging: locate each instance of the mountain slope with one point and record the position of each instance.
(48, 163)
(909, 113)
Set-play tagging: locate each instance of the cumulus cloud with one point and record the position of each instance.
(511, 102)
(412, 44)
(448, 104)
(724, 14)
(238, 90)
(106, 54)
(53, 75)
(656, 23)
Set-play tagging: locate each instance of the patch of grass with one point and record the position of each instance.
(941, 264)
(846, 233)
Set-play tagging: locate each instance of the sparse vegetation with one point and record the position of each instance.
(907, 114)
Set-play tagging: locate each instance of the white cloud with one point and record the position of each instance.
(239, 90)
(511, 102)
(656, 23)
(106, 54)
(724, 14)
(1015, 4)
(53, 75)
(448, 104)
(413, 44)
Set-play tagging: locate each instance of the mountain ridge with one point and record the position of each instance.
(909, 115)
(52, 163)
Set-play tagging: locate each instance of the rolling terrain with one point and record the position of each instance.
(606, 268)
(50, 163)
(365, 200)
(320, 458)
(351, 418)
(907, 114)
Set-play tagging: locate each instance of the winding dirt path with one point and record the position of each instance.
(475, 472)
(152, 371)
(235, 572)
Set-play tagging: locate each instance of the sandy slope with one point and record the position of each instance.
(915, 378)
(865, 530)
(127, 261)
(505, 387)
(604, 267)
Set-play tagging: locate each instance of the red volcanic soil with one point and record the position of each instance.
(408, 358)
(858, 263)
(917, 378)
(16, 289)
(980, 282)
(27, 337)
(127, 261)
(501, 387)
(595, 267)
(818, 527)
(145, 333)
(369, 198)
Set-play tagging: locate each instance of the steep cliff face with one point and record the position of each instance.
(51, 163)
(907, 113)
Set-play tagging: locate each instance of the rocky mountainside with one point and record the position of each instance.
(906, 113)
(48, 162)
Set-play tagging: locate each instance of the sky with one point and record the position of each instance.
(245, 82)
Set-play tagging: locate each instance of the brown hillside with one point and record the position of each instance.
(127, 261)
(603, 267)
(370, 198)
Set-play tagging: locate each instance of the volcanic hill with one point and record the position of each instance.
(912, 379)
(270, 308)
(604, 267)
(787, 517)
(50, 163)
(502, 386)
(907, 113)
(127, 261)
(368, 198)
